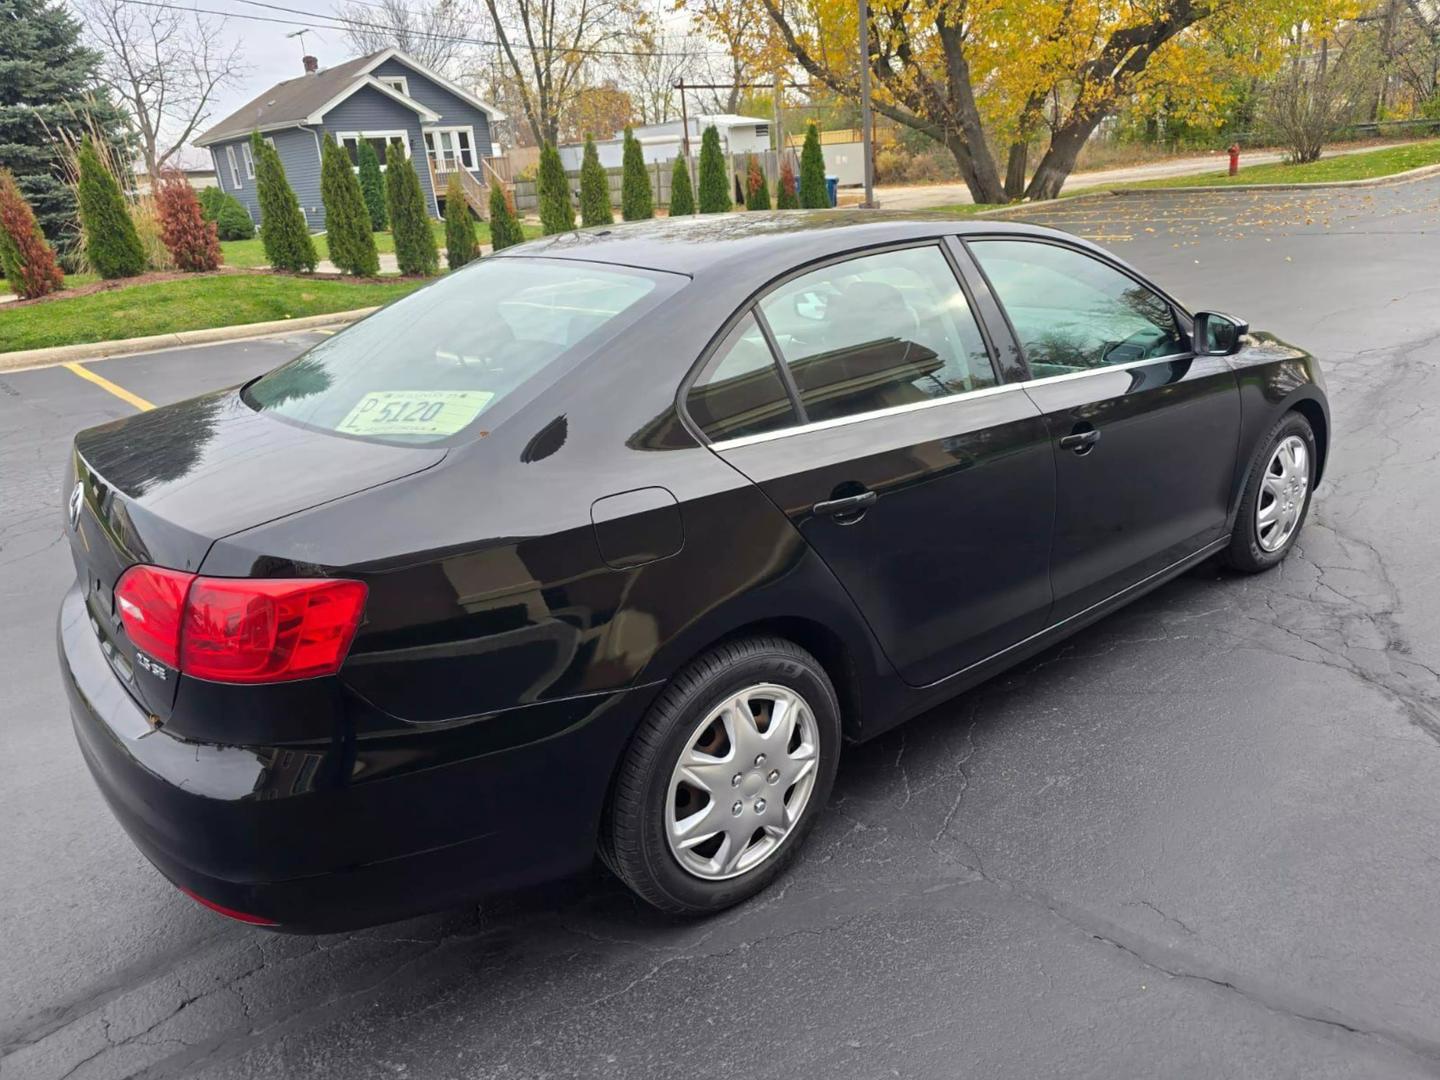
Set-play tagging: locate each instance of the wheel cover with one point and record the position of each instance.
(1282, 493)
(742, 782)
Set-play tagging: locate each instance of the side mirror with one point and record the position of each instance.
(1218, 335)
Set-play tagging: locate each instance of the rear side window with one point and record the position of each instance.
(738, 391)
(1073, 312)
(877, 332)
(456, 354)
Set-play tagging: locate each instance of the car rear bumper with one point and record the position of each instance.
(349, 833)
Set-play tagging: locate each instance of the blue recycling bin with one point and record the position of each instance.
(832, 185)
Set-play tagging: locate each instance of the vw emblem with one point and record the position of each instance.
(77, 499)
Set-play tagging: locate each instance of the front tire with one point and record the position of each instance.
(724, 777)
(1276, 498)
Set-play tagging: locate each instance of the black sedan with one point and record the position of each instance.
(610, 542)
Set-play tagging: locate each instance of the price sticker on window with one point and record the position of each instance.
(415, 412)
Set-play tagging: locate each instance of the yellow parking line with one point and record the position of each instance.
(105, 384)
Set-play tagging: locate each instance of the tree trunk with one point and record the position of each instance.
(1015, 169)
(984, 185)
(1059, 159)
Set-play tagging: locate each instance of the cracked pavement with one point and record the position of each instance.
(1201, 838)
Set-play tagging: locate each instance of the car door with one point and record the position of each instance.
(1144, 432)
(862, 397)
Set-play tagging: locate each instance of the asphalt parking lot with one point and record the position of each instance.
(1202, 838)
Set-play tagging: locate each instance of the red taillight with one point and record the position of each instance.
(150, 600)
(265, 630)
(240, 630)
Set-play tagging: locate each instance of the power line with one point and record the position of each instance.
(345, 23)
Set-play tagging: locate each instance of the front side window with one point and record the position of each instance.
(249, 161)
(738, 392)
(455, 354)
(1073, 312)
(877, 332)
(234, 166)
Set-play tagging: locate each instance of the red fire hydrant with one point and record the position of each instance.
(1234, 158)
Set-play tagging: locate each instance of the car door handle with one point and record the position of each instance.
(1080, 441)
(842, 507)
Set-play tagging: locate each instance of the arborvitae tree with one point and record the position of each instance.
(190, 239)
(557, 214)
(232, 220)
(682, 195)
(757, 189)
(26, 258)
(347, 218)
(786, 197)
(594, 189)
(813, 193)
(48, 85)
(714, 183)
(460, 246)
(505, 230)
(112, 246)
(283, 231)
(636, 200)
(372, 185)
(410, 225)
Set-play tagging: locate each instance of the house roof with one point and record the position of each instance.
(306, 99)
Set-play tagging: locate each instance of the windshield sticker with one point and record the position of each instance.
(415, 412)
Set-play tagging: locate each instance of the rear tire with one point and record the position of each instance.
(670, 830)
(1276, 499)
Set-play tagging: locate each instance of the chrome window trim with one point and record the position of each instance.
(951, 399)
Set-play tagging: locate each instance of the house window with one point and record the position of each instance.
(381, 141)
(450, 149)
(396, 82)
(249, 160)
(234, 167)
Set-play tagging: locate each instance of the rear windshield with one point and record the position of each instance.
(456, 356)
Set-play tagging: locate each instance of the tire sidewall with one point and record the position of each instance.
(1245, 550)
(787, 670)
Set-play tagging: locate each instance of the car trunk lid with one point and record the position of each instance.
(162, 486)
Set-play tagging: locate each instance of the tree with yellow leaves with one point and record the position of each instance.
(1022, 71)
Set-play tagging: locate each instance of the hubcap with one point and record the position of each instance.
(742, 782)
(1282, 493)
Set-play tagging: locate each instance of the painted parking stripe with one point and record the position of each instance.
(105, 384)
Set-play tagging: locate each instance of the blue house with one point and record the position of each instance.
(387, 99)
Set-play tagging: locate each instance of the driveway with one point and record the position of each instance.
(925, 196)
(1199, 839)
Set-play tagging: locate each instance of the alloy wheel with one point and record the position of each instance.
(1282, 493)
(742, 782)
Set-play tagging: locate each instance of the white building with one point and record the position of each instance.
(662, 142)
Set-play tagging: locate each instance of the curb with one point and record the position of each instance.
(1405, 177)
(101, 350)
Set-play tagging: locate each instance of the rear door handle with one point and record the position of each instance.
(852, 504)
(1080, 441)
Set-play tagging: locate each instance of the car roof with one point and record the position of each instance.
(765, 242)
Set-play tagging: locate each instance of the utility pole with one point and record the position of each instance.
(685, 132)
(865, 104)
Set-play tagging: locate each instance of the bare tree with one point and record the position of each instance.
(438, 33)
(551, 46)
(1319, 90)
(743, 29)
(165, 67)
(650, 75)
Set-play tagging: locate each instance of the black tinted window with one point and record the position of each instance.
(876, 332)
(739, 392)
(1073, 312)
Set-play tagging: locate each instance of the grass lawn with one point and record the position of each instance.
(186, 304)
(1365, 166)
(250, 253)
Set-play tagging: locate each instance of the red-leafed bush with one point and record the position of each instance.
(190, 239)
(25, 257)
